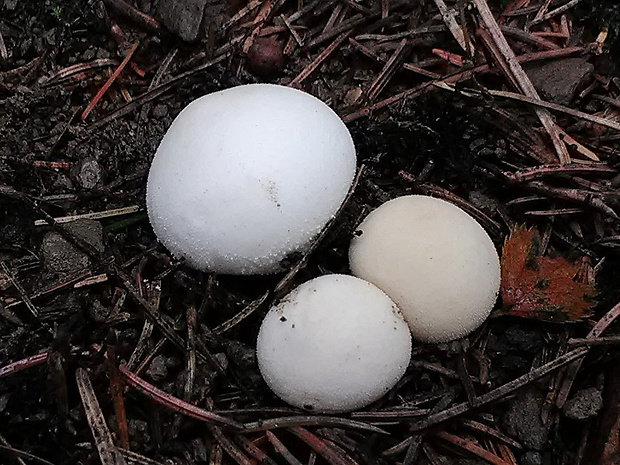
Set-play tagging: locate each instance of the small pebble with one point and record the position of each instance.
(532, 458)
(584, 404)
(160, 111)
(522, 419)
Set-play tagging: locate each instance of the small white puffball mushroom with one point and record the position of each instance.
(334, 344)
(247, 175)
(434, 261)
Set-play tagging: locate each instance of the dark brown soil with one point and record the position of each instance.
(53, 164)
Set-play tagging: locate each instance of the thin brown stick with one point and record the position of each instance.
(543, 9)
(314, 64)
(264, 12)
(461, 76)
(384, 76)
(243, 12)
(600, 341)
(292, 30)
(253, 450)
(521, 78)
(108, 453)
(157, 91)
(572, 370)
(329, 453)
(134, 457)
(576, 195)
(109, 82)
(408, 66)
(9, 315)
(554, 212)
(151, 313)
(413, 450)
(500, 392)
(20, 365)
(242, 315)
(281, 449)
(471, 447)
(116, 391)
(553, 13)
(529, 174)
(92, 216)
(57, 286)
(134, 14)
(529, 38)
(174, 403)
(540, 103)
(190, 370)
(310, 7)
(59, 76)
(492, 432)
(22, 292)
(398, 448)
(310, 420)
(230, 447)
(346, 26)
(19, 454)
(454, 27)
(496, 55)
(159, 74)
(4, 54)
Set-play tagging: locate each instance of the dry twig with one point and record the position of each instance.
(108, 453)
(521, 78)
(109, 82)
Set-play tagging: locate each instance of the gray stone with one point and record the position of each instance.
(584, 404)
(559, 80)
(138, 433)
(158, 368)
(103, 53)
(4, 401)
(62, 256)
(160, 111)
(192, 19)
(523, 420)
(88, 173)
(98, 312)
(62, 183)
(531, 458)
(483, 202)
(183, 17)
(89, 54)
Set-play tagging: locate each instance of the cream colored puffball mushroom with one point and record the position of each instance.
(334, 344)
(247, 175)
(434, 261)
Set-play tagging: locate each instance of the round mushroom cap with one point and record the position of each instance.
(248, 175)
(334, 344)
(434, 260)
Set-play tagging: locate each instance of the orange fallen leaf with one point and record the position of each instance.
(540, 287)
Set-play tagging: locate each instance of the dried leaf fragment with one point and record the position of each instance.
(538, 287)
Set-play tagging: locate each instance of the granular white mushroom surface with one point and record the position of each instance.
(334, 344)
(434, 261)
(248, 175)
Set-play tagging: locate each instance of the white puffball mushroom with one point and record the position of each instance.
(248, 175)
(434, 261)
(334, 344)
